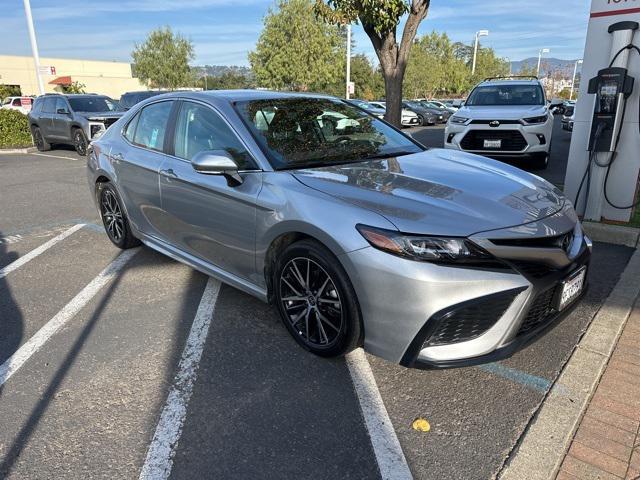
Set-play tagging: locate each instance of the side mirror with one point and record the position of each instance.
(556, 102)
(62, 111)
(217, 162)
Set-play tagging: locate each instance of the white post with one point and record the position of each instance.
(34, 45)
(540, 53)
(573, 82)
(475, 55)
(348, 61)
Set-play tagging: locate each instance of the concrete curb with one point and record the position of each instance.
(548, 437)
(602, 232)
(10, 151)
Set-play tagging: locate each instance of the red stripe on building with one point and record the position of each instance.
(611, 13)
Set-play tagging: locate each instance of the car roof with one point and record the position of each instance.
(510, 81)
(241, 95)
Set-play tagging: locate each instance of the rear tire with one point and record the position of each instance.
(38, 140)
(114, 218)
(316, 300)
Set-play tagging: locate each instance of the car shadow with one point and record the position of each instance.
(11, 319)
(263, 407)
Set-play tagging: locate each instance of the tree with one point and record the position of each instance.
(228, 80)
(296, 50)
(74, 87)
(368, 80)
(380, 19)
(162, 61)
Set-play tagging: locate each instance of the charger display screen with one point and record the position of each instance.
(608, 96)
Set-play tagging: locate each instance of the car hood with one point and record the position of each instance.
(501, 112)
(101, 115)
(439, 192)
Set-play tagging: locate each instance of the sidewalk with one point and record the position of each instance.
(607, 442)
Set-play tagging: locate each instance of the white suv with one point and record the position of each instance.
(504, 117)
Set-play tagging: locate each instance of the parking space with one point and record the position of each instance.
(87, 401)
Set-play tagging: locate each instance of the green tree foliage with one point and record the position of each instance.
(9, 91)
(227, 81)
(442, 68)
(296, 50)
(368, 79)
(14, 129)
(162, 61)
(75, 87)
(380, 19)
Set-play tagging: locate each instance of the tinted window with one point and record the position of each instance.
(200, 128)
(16, 102)
(131, 128)
(49, 105)
(61, 104)
(307, 132)
(93, 104)
(152, 125)
(506, 95)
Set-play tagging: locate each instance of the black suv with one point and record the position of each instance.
(129, 99)
(71, 119)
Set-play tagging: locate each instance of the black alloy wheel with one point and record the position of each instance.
(80, 142)
(114, 218)
(316, 300)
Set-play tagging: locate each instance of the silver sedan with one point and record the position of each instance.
(355, 232)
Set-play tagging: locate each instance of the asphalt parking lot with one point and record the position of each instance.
(86, 403)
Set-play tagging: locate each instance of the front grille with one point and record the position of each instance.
(542, 309)
(512, 140)
(534, 269)
(471, 319)
(502, 122)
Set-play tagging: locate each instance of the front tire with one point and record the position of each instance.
(114, 219)
(80, 142)
(316, 300)
(540, 161)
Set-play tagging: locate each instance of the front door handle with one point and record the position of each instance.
(117, 157)
(169, 173)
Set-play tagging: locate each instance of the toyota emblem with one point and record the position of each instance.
(494, 123)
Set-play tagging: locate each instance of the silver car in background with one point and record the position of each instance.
(356, 233)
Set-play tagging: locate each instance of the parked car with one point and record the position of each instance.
(21, 104)
(568, 118)
(455, 103)
(563, 107)
(129, 99)
(407, 118)
(504, 118)
(426, 116)
(439, 104)
(358, 235)
(72, 119)
(372, 109)
(436, 109)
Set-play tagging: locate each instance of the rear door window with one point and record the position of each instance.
(152, 125)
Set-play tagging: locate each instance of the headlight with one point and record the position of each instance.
(458, 120)
(536, 120)
(424, 248)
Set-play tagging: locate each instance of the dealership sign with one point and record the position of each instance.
(606, 8)
(47, 70)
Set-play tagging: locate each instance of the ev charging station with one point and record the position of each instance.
(604, 159)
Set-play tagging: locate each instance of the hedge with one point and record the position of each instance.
(14, 129)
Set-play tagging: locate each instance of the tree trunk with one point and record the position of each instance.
(393, 98)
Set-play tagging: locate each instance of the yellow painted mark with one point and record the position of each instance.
(421, 425)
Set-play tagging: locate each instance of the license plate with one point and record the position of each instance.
(571, 288)
(493, 144)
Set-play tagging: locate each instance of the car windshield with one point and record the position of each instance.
(493, 95)
(414, 104)
(93, 104)
(314, 132)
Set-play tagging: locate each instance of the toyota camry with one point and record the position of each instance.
(357, 234)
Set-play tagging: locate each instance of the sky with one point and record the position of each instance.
(224, 31)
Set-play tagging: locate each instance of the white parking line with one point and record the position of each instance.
(386, 447)
(56, 156)
(159, 460)
(31, 346)
(37, 251)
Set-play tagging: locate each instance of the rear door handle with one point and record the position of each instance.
(169, 173)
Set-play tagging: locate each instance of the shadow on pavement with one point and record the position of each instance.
(11, 321)
(264, 408)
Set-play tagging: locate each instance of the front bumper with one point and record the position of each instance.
(403, 301)
(516, 139)
(410, 121)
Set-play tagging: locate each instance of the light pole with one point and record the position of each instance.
(480, 33)
(348, 61)
(34, 45)
(540, 53)
(573, 82)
